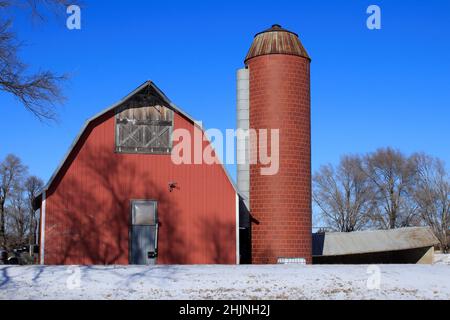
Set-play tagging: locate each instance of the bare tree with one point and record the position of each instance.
(38, 92)
(391, 173)
(11, 172)
(345, 195)
(432, 195)
(18, 221)
(32, 186)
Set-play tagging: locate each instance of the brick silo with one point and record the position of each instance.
(279, 98)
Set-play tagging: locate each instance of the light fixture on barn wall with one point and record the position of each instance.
(172, 186)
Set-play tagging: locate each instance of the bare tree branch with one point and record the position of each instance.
(39, 92)
(33, 186)
(12, 172)
(18, 223)
(344, 195)
(432, 195)
(391, 173)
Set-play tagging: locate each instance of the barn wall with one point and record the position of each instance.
(88, 204)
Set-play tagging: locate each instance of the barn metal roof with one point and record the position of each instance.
(114, 106)
(276, 40)
(359, 242)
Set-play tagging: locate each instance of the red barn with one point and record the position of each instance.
(118, 198)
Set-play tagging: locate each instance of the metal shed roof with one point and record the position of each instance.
(346, 243)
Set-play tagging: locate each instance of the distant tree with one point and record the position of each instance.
(432, 195)
(18, 222)
(391, 173)
(32, 186)
(344, 195)
(12, 172)
(38, 92)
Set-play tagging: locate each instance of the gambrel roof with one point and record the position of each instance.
(148, 84)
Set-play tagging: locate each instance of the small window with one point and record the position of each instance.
(144, 127)
(144, 213)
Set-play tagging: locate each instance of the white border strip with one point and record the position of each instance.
(237, 230)
(42, 244)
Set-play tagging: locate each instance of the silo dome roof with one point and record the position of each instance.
(276, 40)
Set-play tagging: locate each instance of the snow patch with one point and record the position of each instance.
(440, 258)
(224, 282)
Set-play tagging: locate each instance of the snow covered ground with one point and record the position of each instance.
(228, 282)
(442, 259)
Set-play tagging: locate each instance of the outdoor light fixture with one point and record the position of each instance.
(172, 185)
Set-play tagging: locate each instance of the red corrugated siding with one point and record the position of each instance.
(88, 204)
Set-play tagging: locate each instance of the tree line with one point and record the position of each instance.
(18, 190)
(385, 189)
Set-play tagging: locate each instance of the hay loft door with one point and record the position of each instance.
(143, 232)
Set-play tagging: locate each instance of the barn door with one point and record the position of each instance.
(143, 232)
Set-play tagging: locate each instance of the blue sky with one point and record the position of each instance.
(370, 89)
